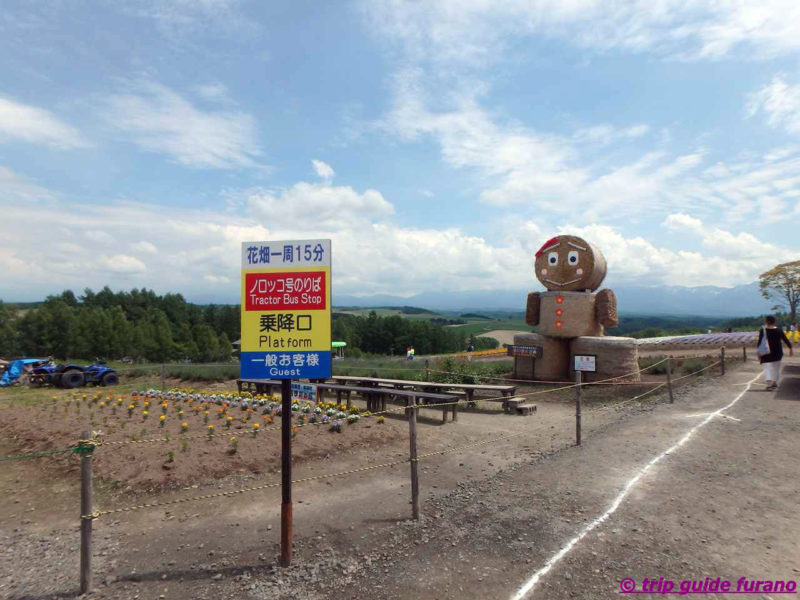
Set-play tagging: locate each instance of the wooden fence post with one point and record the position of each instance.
(427, 370)
(744, 353)
(162, 378)
(578, 408)
(669, 379)
(86, 517)
(722, 359)
(412, 440)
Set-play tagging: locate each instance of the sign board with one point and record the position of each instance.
(306, 392)
(586, 362)
(286, 310)
(529, 351)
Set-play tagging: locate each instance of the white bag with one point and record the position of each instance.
(763, 347)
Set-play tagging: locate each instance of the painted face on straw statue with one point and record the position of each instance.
(568, 263)
(571, 269)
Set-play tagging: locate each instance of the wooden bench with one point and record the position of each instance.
(376, 397)
(261, 386)
(428, 386)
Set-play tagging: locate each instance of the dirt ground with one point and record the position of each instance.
(723, 504)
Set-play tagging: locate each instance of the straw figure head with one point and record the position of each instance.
(570, 264)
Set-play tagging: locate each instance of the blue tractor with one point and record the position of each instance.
(73, 375)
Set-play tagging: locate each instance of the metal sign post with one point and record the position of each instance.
(286, 333)
(286, 473)
(581, 363)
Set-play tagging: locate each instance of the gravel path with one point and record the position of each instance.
(724, 504)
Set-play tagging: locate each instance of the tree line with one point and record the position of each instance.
(138, 324)
(374, 334)
(142, 325)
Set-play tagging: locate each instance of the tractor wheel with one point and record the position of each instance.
(71, 379)
(110, 379)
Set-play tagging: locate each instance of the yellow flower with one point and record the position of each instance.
(144, 413)
(256, 426)
(233, 438)
(230, 418)
(211, 428)
(184, 425)
(162, 418)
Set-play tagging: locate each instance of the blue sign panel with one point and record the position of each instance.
(285, 365)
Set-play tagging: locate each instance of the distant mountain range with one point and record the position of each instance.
(739, 301)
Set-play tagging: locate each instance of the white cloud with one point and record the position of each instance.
(144, 246)
(179, 19)
(122, 263)
(323, 169)
(780, 102)
(729, 258)
(478, 32)
(16, 189)
(160, 120)
(198, 251)
(37, 126)
(679, 221)
(99, 236)
(311, 206)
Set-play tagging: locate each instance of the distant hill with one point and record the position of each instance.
(742, 300)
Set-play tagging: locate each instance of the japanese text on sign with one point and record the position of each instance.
(278, 253)
(279, 291)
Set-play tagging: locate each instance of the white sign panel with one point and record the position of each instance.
(586, 362)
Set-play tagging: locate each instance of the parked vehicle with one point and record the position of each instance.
(73, 375)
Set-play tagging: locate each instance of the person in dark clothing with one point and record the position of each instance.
(772, 361)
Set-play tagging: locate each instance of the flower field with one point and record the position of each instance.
(154, 440)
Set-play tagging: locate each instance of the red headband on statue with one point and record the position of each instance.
(546, 245)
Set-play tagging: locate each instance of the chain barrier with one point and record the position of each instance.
(100, 513)
(36, 454)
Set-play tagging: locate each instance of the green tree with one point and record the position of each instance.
(9, 342)
(782, 284)
(207, 343)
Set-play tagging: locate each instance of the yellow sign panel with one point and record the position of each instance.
(286, 310)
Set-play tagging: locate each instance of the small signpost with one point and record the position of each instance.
(581, 363)
(286, 333)
(305, 392)
(528, 351)
(586, 362)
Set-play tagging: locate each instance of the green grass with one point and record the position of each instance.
(18, 395)
(386, 368)
(483, 326)
(461, 371)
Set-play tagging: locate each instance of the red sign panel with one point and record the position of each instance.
(285, 291)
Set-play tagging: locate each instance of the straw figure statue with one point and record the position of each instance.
(571, 316)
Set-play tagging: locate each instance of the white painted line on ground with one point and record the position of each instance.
(527, 588)
(706, 414)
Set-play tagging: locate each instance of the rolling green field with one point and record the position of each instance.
(390, 312)
(480, 327)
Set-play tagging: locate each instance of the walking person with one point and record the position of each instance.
(772, 360)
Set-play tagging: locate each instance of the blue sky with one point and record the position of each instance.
(437, 143)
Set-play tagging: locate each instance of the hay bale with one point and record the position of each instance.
(568, 315)
(553, 364)
(615, 356)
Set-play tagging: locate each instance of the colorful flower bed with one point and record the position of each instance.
(241, 409)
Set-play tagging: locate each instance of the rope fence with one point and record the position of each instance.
(90, 441)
